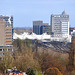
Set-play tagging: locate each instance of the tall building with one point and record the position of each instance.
(6, 30)
(6, 34)
(60, 24)
(36, 26)
(39, 27)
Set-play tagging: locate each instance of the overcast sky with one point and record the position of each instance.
(26, 11)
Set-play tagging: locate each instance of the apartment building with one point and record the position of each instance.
(6, 33)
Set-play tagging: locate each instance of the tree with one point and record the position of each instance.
(30, 71)
(47, 61)
(52, 71)
(6, 62)
(24, 58)
(71, 64)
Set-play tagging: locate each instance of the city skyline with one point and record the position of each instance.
(25, 11)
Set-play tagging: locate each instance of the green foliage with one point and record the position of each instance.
(22, 44)
(30, 71)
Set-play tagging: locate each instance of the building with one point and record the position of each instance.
(36, 26)
(6, 32)
(60, 24)
(71, 30)
(8, 19)
(5, 48)
(2, 32)
(39, 27)
(45, 29)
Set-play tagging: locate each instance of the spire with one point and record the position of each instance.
(64, 13)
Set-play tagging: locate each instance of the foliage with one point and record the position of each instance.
(47, 61)
(52, 71)
(30, 71)
(6, 62)
(24, 58)
(71, 63)
(22, 44)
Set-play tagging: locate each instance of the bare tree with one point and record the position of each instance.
(72, 55)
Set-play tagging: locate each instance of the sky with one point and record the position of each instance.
(24, 12)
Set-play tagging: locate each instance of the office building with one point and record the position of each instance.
(45, 29)
(36, 27)
(60, 24)
(39, 27)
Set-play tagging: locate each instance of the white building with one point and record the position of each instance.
(60, 24)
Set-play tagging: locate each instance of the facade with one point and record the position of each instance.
(36, 26)
(8, 19)
(39, 27)
(4, 48)
(6, 32)
(60, 24)
(45, 29)
(2, 32)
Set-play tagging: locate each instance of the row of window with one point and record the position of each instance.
(7, 49)
(58, 16)
(8, 35)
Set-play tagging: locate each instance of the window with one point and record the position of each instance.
(1, 54)
(0, 49)
(8, 29)
(8, 41)
(8, 32)
(8, 35)
(8, 38)
(9, 49)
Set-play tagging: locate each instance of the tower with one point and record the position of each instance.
(60, 24)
